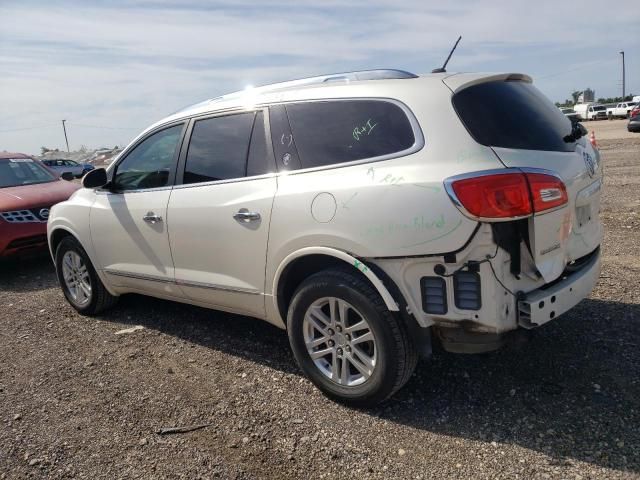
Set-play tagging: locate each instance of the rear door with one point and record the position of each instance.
(527, 131)
(219, 214)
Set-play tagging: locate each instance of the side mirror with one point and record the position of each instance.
(95, 178)
(68, 176)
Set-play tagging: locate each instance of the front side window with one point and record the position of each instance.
(326, 133)
(219, 148)
(149, 164)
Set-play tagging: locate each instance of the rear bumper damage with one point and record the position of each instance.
(473, 300)
(544, 304)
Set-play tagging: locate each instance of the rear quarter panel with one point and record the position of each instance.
(390, 208)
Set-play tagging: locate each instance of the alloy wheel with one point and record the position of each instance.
(340, 341)
(76, 277)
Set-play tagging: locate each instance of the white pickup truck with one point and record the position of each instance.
(620, 110)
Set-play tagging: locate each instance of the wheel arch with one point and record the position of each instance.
(307, 261)
(56, 237)
(59, 232)
(299, 265)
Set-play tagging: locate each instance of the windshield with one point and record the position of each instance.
(23, 171)
(513, 114)
(599, 108)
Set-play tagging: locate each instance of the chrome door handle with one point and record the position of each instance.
(152, 218)
(246, 216)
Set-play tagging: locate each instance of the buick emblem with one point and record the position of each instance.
(590, 163)
(44, 213)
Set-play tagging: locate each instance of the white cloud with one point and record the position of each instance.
(122, 66)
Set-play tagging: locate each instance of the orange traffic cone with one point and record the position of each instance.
(592, 139)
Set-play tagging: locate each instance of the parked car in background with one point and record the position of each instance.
(27, 192)
(622, 110)
(634, 124)
(635, 111)
(367, 213)
(63, 165)
(590, 111)
(571, 114)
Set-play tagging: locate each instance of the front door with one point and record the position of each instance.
(129, 218)
(219, 216)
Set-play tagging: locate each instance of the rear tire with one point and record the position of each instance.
(362, 352)
(78, 279)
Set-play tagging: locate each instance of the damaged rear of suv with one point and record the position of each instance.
(492, 226)
(367, 213)
(541, 208)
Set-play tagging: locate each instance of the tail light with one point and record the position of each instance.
(547, 191)
(506, 194)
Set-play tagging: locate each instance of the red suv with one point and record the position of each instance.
(27, 191)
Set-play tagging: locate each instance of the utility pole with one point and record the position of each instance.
(623, 92)
(67, 140)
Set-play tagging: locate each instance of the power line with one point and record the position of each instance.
(102, 126)
(69, 123)
(27, 128)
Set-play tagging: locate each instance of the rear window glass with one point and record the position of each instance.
(512, 114)
(327, 133)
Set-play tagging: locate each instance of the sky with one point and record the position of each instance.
(111, 68)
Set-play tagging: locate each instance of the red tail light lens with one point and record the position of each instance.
(503, 195)
(509, 195)
(547, 191)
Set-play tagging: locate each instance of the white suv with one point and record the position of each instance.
(366, 213)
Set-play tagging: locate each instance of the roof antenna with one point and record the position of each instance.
(442, 69)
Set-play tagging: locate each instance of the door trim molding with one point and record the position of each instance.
(182, 283)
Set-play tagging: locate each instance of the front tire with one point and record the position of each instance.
(346, 341)
(78, 279)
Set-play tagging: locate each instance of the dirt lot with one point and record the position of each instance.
(78, 400)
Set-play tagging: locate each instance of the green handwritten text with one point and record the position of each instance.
(365, 129)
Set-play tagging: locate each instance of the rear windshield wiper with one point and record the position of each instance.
(578, 131)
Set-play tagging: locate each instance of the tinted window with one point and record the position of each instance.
(512, 115)
(149, 164)
(219, 148)
(22, 171)
(326, 133)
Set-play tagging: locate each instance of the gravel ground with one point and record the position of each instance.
(78, 400)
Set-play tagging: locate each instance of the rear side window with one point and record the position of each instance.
(219, 148)
(327, 133)
(512, 114)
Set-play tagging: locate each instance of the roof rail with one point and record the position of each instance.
(334, 77)
(361, 75)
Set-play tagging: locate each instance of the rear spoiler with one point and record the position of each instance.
(460, 81)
